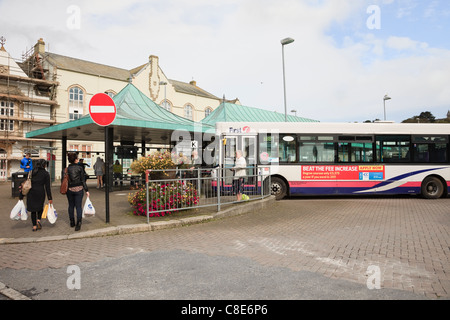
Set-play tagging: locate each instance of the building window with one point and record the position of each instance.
(74, 115)
(73, 148)
(6, 125)
(188, 114)
(6, 108)
(208, 111)
(166, 105)
(76, 103)
(84, 150)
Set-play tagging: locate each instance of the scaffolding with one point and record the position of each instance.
(27, 89)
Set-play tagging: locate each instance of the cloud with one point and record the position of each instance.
(336, 69)
(404, 43)
(406, 7)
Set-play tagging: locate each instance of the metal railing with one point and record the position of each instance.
(168, 191)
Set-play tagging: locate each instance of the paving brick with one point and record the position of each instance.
(408, 238)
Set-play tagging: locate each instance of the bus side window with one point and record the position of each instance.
(393, 148)
(429, 149)
(356, 152)
(316, 152)
(288, 149)
(343, 152)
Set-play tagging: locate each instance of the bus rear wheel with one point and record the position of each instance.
(278, 188)
(432, 188)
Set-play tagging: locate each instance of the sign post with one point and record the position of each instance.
(103, 111)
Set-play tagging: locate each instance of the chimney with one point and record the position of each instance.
(39, 47)
(153, 59)
(193, 83)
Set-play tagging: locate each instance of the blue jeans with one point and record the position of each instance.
(75, 199)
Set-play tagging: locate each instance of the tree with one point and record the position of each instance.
(427, 116)
(424, 117)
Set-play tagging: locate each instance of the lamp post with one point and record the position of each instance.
(386, 97)
(163, 83)
(294, 112)
(283, 43)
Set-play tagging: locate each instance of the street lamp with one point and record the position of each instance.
(163, 83)
(386, 97)
(283, 43)
(294, 111)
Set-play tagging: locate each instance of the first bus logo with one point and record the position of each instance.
(245, 129)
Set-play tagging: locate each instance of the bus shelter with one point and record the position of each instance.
(138, 120)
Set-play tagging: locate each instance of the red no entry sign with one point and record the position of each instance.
(102, 109)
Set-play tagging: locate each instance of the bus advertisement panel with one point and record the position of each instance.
(339, 172)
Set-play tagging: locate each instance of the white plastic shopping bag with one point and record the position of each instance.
(23, 213)
(88, 209)
(51, 214)
(19, 212)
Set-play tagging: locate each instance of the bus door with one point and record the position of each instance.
(249, 153)
(247, 144)
(229, 147)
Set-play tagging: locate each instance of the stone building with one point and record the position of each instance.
(75, 81)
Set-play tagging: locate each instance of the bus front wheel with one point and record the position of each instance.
(278, 188)
(432, 188)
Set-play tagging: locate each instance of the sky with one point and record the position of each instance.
(347, 54)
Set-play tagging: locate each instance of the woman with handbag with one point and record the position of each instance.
(40, 181)
(76, 187)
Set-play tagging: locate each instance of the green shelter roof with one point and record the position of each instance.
(138, 118)
(133, 105)
(229, 112)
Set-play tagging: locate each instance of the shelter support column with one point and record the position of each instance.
(109, 150)
(63, 155)
(143, 148)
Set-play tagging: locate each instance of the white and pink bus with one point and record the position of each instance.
(343, 158)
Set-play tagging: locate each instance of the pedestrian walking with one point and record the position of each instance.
(99, 166)
(40, 181)
(75, 192)
(26, 163)
(239, 174)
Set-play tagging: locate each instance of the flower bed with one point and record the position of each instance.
(164, 198)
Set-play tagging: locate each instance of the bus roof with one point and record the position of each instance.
(333, 128)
